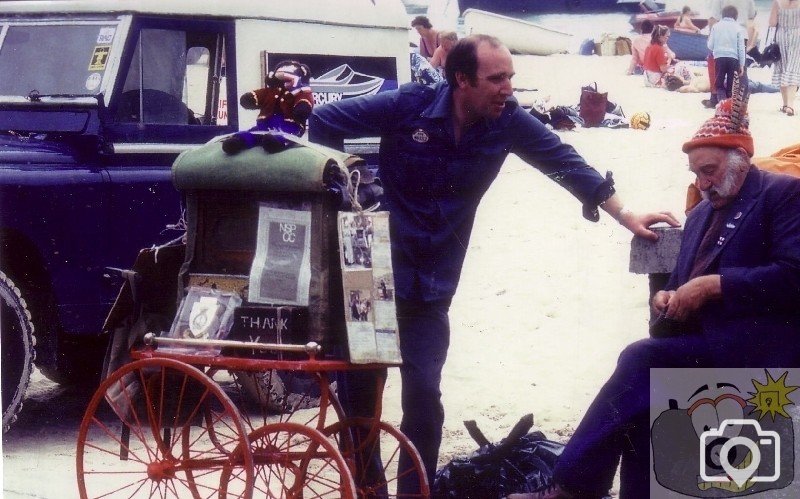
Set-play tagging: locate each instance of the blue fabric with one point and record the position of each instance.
(725, 69)
(433, 185)
(755, 324)
(617, 422)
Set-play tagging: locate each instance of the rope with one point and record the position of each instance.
(352, 187)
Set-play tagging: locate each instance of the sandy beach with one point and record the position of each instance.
(545, 303)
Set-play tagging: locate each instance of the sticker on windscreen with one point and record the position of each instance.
(93, 81)
(106, 36)
(99, 58)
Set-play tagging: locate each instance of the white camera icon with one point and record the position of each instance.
(768, 441)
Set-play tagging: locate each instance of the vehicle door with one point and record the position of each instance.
(170, 96)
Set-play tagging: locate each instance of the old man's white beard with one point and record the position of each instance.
(728, 185)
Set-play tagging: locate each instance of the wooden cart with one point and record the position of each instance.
(175, 419)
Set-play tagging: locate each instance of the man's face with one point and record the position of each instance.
(719, 177)
(486, 96)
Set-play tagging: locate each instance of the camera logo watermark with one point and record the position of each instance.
(747, 471)
(714, 436)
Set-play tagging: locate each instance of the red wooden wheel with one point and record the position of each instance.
(265, 397)
(372, 450)
(162, 428)
(295, 461)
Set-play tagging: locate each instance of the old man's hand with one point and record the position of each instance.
(688, 298)
(639, 224)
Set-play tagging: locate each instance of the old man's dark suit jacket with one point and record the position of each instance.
(757, 321)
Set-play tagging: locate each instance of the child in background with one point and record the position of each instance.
(726, 43)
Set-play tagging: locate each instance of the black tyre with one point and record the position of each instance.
(16, 333)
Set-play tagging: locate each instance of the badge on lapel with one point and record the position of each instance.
(420, 136)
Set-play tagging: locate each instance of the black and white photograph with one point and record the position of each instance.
(360, 307)
(384, 286)
(356, 235)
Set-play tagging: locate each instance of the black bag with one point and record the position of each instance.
(521, 462)
(771, 53)
(592, 105)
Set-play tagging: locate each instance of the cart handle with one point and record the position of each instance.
(310, 348)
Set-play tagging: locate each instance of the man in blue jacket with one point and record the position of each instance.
(441, 148)
(732, 301)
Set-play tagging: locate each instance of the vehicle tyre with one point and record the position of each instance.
(78, 362)
(16, 331)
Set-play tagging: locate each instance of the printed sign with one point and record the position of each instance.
(99, 58)
(335, 77)
(281, 271)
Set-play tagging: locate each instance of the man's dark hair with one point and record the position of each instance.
(463, 58)
(730, 11)
(421, 21)
(647, 27)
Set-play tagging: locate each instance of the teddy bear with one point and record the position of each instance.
(284, 105)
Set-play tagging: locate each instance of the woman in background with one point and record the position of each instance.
(785, 14)
(428, 37)
(657, 57)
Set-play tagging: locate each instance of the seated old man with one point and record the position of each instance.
(733, 300)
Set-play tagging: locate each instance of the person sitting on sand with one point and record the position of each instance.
(639, 46)
(697, 81)
(731, 302)
(428, 37)
(684, 22)
(448, 39)
(657, 57)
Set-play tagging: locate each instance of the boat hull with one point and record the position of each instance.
(521, 37)
(688, 46)
(664, 19)
(538, 6)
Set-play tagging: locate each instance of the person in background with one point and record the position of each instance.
(726, 43)
(684, 22)
(657, 57)
(448, 39)
(429, 39)
(747, 12)
(785, 14)
(441, 148)
(639, 45)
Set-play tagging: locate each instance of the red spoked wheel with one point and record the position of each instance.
(162, 428)
(372, 450)
(265, 398)
(296, 461)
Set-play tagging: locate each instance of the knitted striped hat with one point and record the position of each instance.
(728, 127)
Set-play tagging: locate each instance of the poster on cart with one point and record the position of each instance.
(281, 271)
(370, 313)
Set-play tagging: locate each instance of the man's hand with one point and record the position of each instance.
(638, 224)
(661, 301)
(687, 299)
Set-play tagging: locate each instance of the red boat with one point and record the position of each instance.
(667, 19)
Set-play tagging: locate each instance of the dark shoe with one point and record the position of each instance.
(233, 144)
(708, 103)
(272, 144)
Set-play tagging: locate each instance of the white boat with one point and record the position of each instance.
(521, 37)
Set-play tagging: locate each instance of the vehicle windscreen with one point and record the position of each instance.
(54, 58)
